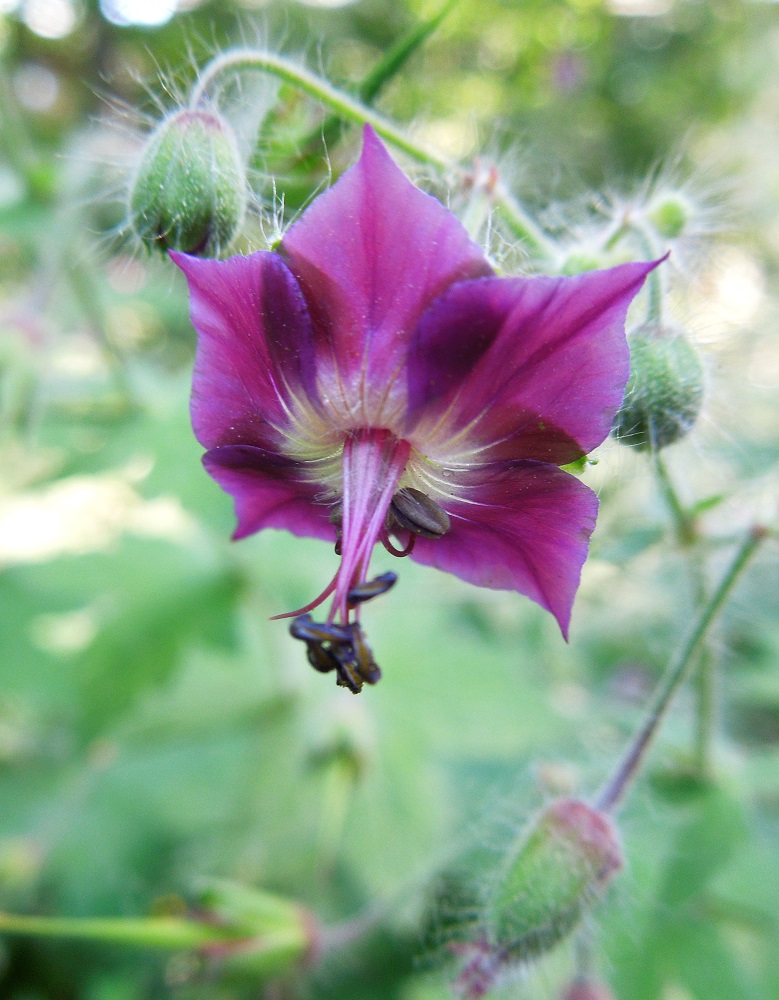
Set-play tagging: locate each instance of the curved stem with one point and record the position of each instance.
(655, 281)
(522, 225)
(616, 787)
(351, 109)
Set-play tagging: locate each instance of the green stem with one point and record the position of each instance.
(655, 283)
(174, 933)
(706, 712)
(346, 107)
(522, 226)
(706, 671)
(353, 110)
(683, 522)
(390, 63)
(616, 787)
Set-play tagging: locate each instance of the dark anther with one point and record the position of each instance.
(321, 659)
(341, 648)
(305, 628)
(415, 511)
(366, 665)
(371, 588)
(348, 673)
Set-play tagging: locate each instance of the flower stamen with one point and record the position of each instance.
(414, 510)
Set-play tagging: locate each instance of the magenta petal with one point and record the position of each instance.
(267, 493)
(521, 526)
(536, 366)
(370, 254)
(254, 347)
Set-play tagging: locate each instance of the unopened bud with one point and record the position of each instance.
(670, 215)
(275, 934)
(189, 191)
(557, 871)
(665, 390)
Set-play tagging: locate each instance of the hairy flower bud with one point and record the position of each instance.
(189, 191)
(555, 873)
(670, 215)
(663, 396)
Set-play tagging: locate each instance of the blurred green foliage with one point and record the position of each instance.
(156, 728)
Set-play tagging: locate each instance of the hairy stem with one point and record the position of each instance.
(346, 107)
(706, 671)
(616, 787)
(683, 521)
(353, 110)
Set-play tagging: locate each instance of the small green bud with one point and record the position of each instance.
(556, 872)
(189, 191)
(665, 390)
(670, 215)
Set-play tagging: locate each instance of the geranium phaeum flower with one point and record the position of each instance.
(374, 381)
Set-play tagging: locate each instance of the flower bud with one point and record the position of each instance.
(189, 191)
(276, 933)
(670, 215)
(665, 390)
(555, 873)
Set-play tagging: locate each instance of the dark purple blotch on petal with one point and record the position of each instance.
(536, 366)
(254, 347)
(268, 492)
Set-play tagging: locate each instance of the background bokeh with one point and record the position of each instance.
(156, 729)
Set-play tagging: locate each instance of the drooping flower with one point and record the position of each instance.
(372, 380)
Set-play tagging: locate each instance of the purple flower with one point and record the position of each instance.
(374, 381)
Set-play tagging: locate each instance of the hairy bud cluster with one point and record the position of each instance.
(665, 390)
(190, 190)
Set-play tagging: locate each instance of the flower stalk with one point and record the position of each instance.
(706, 670)
(615, 789)
(684, 521)
(354, 110)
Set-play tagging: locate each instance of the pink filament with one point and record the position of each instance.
(373, 463)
